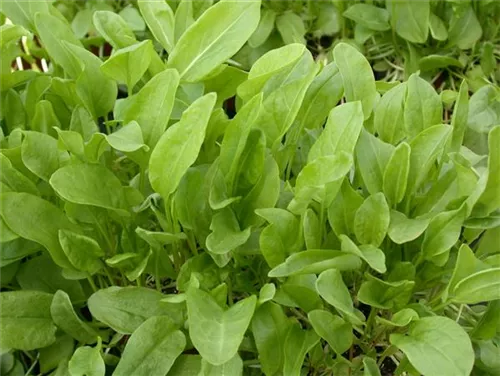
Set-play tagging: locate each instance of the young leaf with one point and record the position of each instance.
(336, 331)
(38, 220)
(225, 27)
(372, 157)
(437, 28)
(482, 286)
(460, 116)
(129, 64)
(25, 320)
(403, 229)
(152, 348)
(183, 18)
(40, 154)
(443, 231)
(266, 26)
(160, 19)
(297, 344)
(83, 252)
(114, 29)
(124, 309)
(216, 333)
(89, 184)
(342, 211)
(372, 255)
(489, 199)
(465, 29)
(152, 105)
(87, 361)
(385, 295)
(410, 19)
(341, 131)
(179, 146)
(425, 149)
(369, 16)
(233, 366)
(226, 233)
(437, 346)
(291, 28)
(332, 288)
(389, 114)
(315, 261)
(396, 174)
(423, 107)
(372, 220)
(357, 75)
(66, 319)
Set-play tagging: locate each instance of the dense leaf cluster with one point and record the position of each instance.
(164, 211)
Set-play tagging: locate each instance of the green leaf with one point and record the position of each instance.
(226, 233)
(437, 346)
(437, 28)
(226, 26)
(316, 175)
(372, 156)
(25, 320)
(152, 348)
(160, 20)
(403, 229)
(357, 75)
(152, 105)
(87, 361)
(291, 28)
(124, 309)
(128, 138)
(336, 331)
(465, 29)
(38, 220)
(23, 12)
(396, 174)
(340, 133)
(410, 19)
(82, 22)
(443, 231)
(129, 64)
(400, 318)
(40, 154)
(269, 328)
(425, 149)
(371, 221)
(14, 179)
(372, 255)
(370, 367)
(66, 319)
(460, 116)
(315, 261)
(40, 273)
(216, 333)
(179, 146)
(114, 29)
(97, 92)
(482, 286)
(233, 366)
(342, 211)
(389, 114)
(183, 18)
(266, 26)
(489, 200)
(423, 107)
(332, 288)
(83, 252)
(53, 32)
(369, 16)
(297, 344)
(89, 184)
(385, 295)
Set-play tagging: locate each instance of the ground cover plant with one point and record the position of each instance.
(167, 210)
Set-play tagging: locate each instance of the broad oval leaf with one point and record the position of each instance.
(372, 219)
(89, 184)
(152, 348)
(437, 346)
(124, 309)
(336, 331)
(369, 16)
(25, 322)
(87, 361)
(482, 286)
